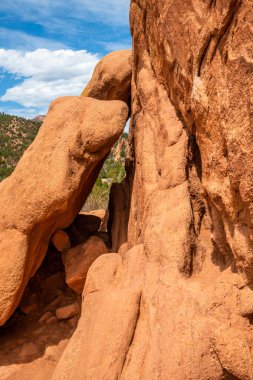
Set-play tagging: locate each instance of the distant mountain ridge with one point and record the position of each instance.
(40, 118)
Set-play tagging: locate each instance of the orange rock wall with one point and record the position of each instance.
(179, 304)
(198, 56)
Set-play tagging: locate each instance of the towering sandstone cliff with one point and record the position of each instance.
(176, 301)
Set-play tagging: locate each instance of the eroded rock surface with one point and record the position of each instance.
(112, 297)
(33, 339)
(182, 296)
(112, 76)
(50, 184)
(199, 53)
(78, 260)
(179, 303)
(61, 240)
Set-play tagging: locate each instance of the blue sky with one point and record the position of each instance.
(49, 48)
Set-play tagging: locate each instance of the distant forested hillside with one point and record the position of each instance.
(16, 134)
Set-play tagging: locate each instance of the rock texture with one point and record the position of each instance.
(33, 339)
(61, 241)
(110, 309)
(78, 260)
(181, 298)
(118, 215)
(68, 311)
(178, 304)
(111, 79)
(50, 184)
(199, 55)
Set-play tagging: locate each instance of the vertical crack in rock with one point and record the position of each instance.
(204, 53)
(217, 35)
(196, 192)
(232, 11)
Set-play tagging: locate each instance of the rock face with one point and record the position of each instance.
(204, 67)
(181, 298)
(68, 311)
(50, 184)
(78, 260)
(112, 76)
(112, 297)
(61, 241)
(118, 215)
(179, 303)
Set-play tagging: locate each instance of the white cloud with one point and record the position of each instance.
(47, 75)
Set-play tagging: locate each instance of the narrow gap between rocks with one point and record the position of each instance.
(49, 310)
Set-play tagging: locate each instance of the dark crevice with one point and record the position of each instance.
(217, 37)
(233, 9)
(226, 375)
(189, 264)
(194, 259)
(212, 4)
(194, 174)
(204, 54)
(194, 177)
(249, 317)
(194, 156)
(229, 376)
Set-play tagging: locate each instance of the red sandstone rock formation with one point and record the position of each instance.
(61, 241)
(33, 339)
(50, 184)
(112, 76)
(179, 303)
(78, 260)
(181, 299)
